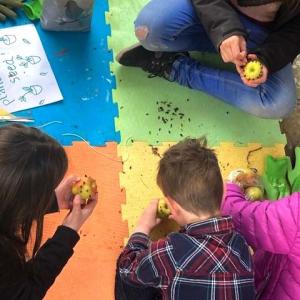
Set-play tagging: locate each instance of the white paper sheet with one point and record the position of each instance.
(26, 78)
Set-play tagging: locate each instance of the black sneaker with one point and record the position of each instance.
(155, 63)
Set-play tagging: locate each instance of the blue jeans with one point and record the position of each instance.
(174, 26)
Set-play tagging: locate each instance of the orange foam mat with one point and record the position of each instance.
(89, 274)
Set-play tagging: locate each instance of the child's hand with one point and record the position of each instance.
(148, 219)
(253, 83)
(79, 214)
(64, 192)
(234, 50)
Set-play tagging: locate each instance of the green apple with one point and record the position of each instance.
(163, 210)
(254, 193)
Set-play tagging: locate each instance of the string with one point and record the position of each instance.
(93, 148)
(49, 123)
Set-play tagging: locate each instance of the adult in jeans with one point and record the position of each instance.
(240, 30)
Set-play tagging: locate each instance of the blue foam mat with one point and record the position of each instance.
(80, 62)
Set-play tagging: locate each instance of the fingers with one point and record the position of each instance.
(242, 58)
(70, 180)
(255, 83)
(239, 69)
(233, 49)
(76, 204)
(91, 204)
(154, 202)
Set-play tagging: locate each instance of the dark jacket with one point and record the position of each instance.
(31, 280)
(221, 21)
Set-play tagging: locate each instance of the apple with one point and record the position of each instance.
(253, 70)
(86, 188)
(254, 193)
(163, 210)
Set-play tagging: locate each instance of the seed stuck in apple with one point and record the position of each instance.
(86, 188)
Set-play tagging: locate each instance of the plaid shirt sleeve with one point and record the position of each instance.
(142, 261)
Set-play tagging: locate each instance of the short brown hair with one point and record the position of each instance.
(189, 173)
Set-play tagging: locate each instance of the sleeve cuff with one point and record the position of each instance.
(68, 235)
(139, 239)
(233, 187)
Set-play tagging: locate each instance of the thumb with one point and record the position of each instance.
(76, 204)
(71, 179)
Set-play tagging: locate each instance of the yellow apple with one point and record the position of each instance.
(254, 193)
(253, 70)
(86, 188)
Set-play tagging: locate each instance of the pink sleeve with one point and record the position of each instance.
(266, 225)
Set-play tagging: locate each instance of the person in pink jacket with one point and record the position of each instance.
(272, 229)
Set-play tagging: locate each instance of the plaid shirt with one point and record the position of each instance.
(205, 260)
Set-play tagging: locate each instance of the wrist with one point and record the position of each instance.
(143, 229)
(71, 225)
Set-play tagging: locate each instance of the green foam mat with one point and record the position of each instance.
(155, 110)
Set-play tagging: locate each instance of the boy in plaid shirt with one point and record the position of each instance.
(206, 259)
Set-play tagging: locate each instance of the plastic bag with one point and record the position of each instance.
(67, 15)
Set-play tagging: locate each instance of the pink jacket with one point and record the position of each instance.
(273, 230)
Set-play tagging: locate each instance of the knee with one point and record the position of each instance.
(141, 33)
(150, 39)
(279, 106)
(153, 33)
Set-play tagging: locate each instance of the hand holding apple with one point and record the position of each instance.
(148, 220)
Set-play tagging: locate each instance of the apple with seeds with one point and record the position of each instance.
(163, 210)
(253, 70)
(86, 188)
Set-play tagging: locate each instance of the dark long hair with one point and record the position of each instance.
(31, 166)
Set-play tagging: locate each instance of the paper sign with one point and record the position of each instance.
(26, 78)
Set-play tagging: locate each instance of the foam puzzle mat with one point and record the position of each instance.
(128, 121)
(90, 272)
(140, 168)
(155, 110)
(80, 62)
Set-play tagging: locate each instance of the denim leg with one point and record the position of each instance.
(274, 99)
(174, 26)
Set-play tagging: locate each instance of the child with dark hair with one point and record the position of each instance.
(206, 259)
(32, 166)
